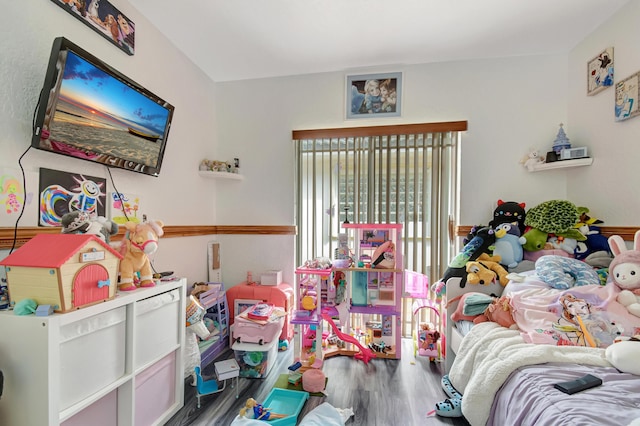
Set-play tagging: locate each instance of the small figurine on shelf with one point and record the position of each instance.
(561, 142)
(253, 410)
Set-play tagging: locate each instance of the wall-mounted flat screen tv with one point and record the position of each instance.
(89, 110)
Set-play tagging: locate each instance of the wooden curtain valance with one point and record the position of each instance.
(400, 129)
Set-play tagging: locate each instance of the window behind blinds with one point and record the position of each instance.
(386, 174)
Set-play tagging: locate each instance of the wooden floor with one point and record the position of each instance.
(382, 393)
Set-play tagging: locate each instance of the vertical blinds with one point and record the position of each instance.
(386, 174)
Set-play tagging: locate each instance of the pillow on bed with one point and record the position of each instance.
(535, 255)
(459, 315)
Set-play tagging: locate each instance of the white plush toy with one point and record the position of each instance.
(624, 354)
(532, 159)
(624, 271)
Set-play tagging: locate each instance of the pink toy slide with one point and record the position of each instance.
(365, 354)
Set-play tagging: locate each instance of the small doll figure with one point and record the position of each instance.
(428, 337)
(428, 340)
(253, 410)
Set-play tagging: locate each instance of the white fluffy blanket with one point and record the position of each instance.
(490, 353)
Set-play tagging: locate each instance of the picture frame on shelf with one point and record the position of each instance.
(627, 96)
(600, 72)
(374, 95)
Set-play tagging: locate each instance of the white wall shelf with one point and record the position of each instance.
(220, 175)
(562, 164)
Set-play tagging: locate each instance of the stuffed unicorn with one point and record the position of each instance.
(140, 241)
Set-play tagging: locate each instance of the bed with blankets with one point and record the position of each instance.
(558, 332)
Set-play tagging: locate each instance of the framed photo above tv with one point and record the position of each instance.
(374, 95)
(105, 19)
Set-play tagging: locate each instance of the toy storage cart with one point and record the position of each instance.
(279, 295)
(256, 360)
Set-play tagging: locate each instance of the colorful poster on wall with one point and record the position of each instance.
(600, 72)
(124, 207)
(63, 192)
(627, 97)
(13, 197)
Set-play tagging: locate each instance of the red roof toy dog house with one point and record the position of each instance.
(66, 271)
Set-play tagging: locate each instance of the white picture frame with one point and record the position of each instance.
(241, 305)
(361, 102)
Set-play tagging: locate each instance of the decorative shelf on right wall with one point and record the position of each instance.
(220, 175)
(561, 164)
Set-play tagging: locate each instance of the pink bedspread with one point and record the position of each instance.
(580, 316)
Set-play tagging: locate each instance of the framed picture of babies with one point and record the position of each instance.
(374, 95)
(105, 19)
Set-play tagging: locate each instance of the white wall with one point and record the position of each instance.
(610, 186)
(510, 104)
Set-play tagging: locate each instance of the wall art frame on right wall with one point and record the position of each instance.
(627, 96)
(600, 72)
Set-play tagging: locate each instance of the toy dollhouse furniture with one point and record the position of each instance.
(66, 271)
(376, 292)
(227, 369)
(120, 361)
(307, 317)
(215, 302)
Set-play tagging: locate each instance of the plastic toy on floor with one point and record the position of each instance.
(426, 340)
(365, 354)
(253, 410)
(206, 387)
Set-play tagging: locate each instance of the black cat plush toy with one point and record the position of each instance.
(509, 212)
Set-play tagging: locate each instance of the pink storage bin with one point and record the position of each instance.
(155, 390)
(248, 331)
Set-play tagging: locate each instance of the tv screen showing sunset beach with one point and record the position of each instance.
(95, 114)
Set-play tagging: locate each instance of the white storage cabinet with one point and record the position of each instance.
(114, 363)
